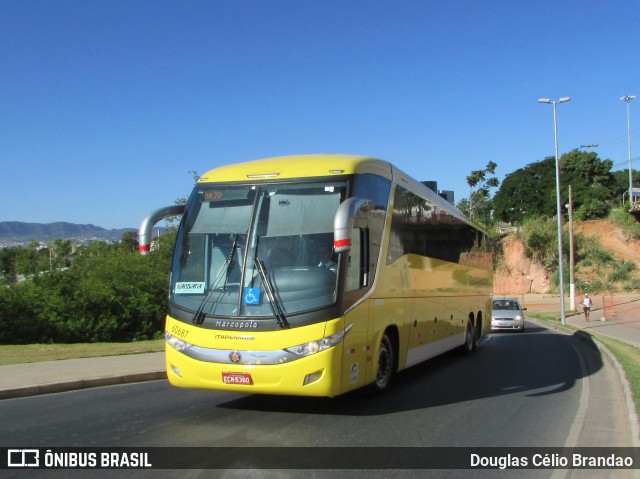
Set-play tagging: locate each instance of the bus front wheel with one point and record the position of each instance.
(386, 364)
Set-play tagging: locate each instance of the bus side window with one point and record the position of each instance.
(358, 267)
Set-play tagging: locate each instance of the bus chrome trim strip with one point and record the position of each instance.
(232, 356)
(431, 350)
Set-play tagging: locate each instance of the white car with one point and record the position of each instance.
(507, 315)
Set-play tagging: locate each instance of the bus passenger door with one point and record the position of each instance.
(357, 352)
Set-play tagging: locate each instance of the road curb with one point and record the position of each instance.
(75, 384)
(631, 409)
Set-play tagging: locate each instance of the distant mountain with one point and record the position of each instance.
(16, 232)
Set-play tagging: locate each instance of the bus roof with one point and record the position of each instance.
(323, 165)
(285, 167)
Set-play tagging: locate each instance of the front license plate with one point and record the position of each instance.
(237, 378)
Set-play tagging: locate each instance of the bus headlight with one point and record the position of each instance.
(176, 343)
(313, 347)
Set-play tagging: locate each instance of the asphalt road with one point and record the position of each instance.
(533, 389)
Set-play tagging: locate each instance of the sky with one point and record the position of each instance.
(108, 107)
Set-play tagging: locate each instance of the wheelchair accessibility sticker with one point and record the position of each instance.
(251, 296)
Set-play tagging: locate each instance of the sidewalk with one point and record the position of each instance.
(20, 380)
(30, 379)
(618, 320)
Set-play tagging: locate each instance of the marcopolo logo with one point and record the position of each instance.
(23, 458)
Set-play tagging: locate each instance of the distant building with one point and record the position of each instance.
(635, 199)
(446, 194)
(432, 185)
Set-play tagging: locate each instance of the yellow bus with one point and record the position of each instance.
(315, 275)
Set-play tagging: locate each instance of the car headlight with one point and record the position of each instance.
(313, 347)
(518, 318)
(176, 343)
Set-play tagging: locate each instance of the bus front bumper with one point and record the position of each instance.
(315, 375)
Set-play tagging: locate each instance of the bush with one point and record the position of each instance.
(589, 251)
(540, 237)
(627, 222)
(601, 256)
(107, 294)
(621, 271)
(21, 314)
(591, 209)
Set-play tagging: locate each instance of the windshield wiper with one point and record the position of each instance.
(268, 288)
(278, 313)
(200, 315)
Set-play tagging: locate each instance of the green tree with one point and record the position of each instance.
(32, 260)
(592, 182)
(527, 192)
(129, 241)
(531, 191)
(8, 265)
(479, 207)
(463, 205)
(621, 178)
(59, 252)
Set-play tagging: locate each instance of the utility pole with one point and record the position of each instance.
(572, 282)
(627, 99)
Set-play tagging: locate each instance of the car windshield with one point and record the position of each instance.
(257, 250)
(506, 304)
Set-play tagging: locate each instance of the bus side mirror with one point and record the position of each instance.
(344, 219)
(144, 233)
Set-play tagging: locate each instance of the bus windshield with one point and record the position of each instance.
(259, 251)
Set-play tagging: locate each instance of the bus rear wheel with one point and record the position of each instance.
(470, 339)
(386, 364)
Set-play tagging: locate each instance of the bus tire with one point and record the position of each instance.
(470, 335)
(386, 364)
(477, 332)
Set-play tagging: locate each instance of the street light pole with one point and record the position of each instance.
(627, 99)
(558, 202)
(572, 282)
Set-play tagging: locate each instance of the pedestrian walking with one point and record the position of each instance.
(586, 306)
